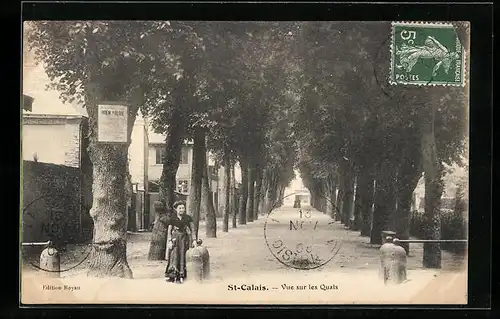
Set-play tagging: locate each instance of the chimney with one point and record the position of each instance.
(27, 102)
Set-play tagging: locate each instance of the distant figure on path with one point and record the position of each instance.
(179, 240)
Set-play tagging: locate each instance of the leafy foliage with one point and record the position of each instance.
(307, 95)
(114, 54)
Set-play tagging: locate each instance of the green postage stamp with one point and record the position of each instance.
(426, 54)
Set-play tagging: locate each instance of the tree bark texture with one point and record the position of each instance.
(328, 204)
(208, 205)
(278, 202)
(173, 146)
(242, 220)
(194, 198)
(385, 201)
(271, 192)
(410, 172)
(339, 203)
(251, 192)
(258, 192)
(321, 196)
(347, 194)
(357, 207)
(108, 257)
(316, 195)
(263, 192)
(365, 194)
(227, 192)
(433, 192)
(330, 196)
(234, 195)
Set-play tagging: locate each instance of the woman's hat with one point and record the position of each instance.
(179, 202)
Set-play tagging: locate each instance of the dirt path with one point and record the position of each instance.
(243, 256)
(244, 249)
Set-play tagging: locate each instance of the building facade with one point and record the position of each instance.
(146, 155)
(53, 138)
(156, 154)
(56, 176)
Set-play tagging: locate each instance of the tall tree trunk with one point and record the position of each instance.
(258, 193)
(173, 147)
(242, 220)
(385, 201)
(216, 195)
(328, 203)
(403, 210)
(227, 192)
(358, 219)
(278, 202)
(316, 192)
(234, 194)
(349, 197)
(347, 193)
(324, 193)
(410, 172)
(271, 192)
(342, 197)
(321, 196)
(433, 192)
(194, 198)
(108, 257)
(251, 192)
(330, 195)
(339, 202)
(333, 197)
(365, 194)
(208, 205)
(265, 189)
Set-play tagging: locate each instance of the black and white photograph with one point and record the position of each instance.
(245, 162)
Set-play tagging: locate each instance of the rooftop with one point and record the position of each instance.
(52, 116)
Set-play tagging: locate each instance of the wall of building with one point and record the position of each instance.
(54, 139)
(44, 141)
(72, 147)
(154, 170)
(136, 154)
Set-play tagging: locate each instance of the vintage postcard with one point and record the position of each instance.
(177, 162)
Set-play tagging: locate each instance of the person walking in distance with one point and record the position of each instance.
(179, 240)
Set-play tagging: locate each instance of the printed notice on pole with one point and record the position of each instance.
(112, 123)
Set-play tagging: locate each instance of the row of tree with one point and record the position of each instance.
(220, 85)
(268, 96)
(365, 144)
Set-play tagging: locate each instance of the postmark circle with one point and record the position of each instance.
(51, 230)
(301, 237)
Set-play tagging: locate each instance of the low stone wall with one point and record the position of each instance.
(52, 203)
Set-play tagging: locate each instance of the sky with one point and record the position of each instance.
(34, 83)
(45, 101)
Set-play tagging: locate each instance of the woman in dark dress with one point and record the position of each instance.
(179, 240)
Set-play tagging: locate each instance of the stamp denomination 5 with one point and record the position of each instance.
(426, 54)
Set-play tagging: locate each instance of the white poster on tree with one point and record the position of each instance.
(112, 123)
